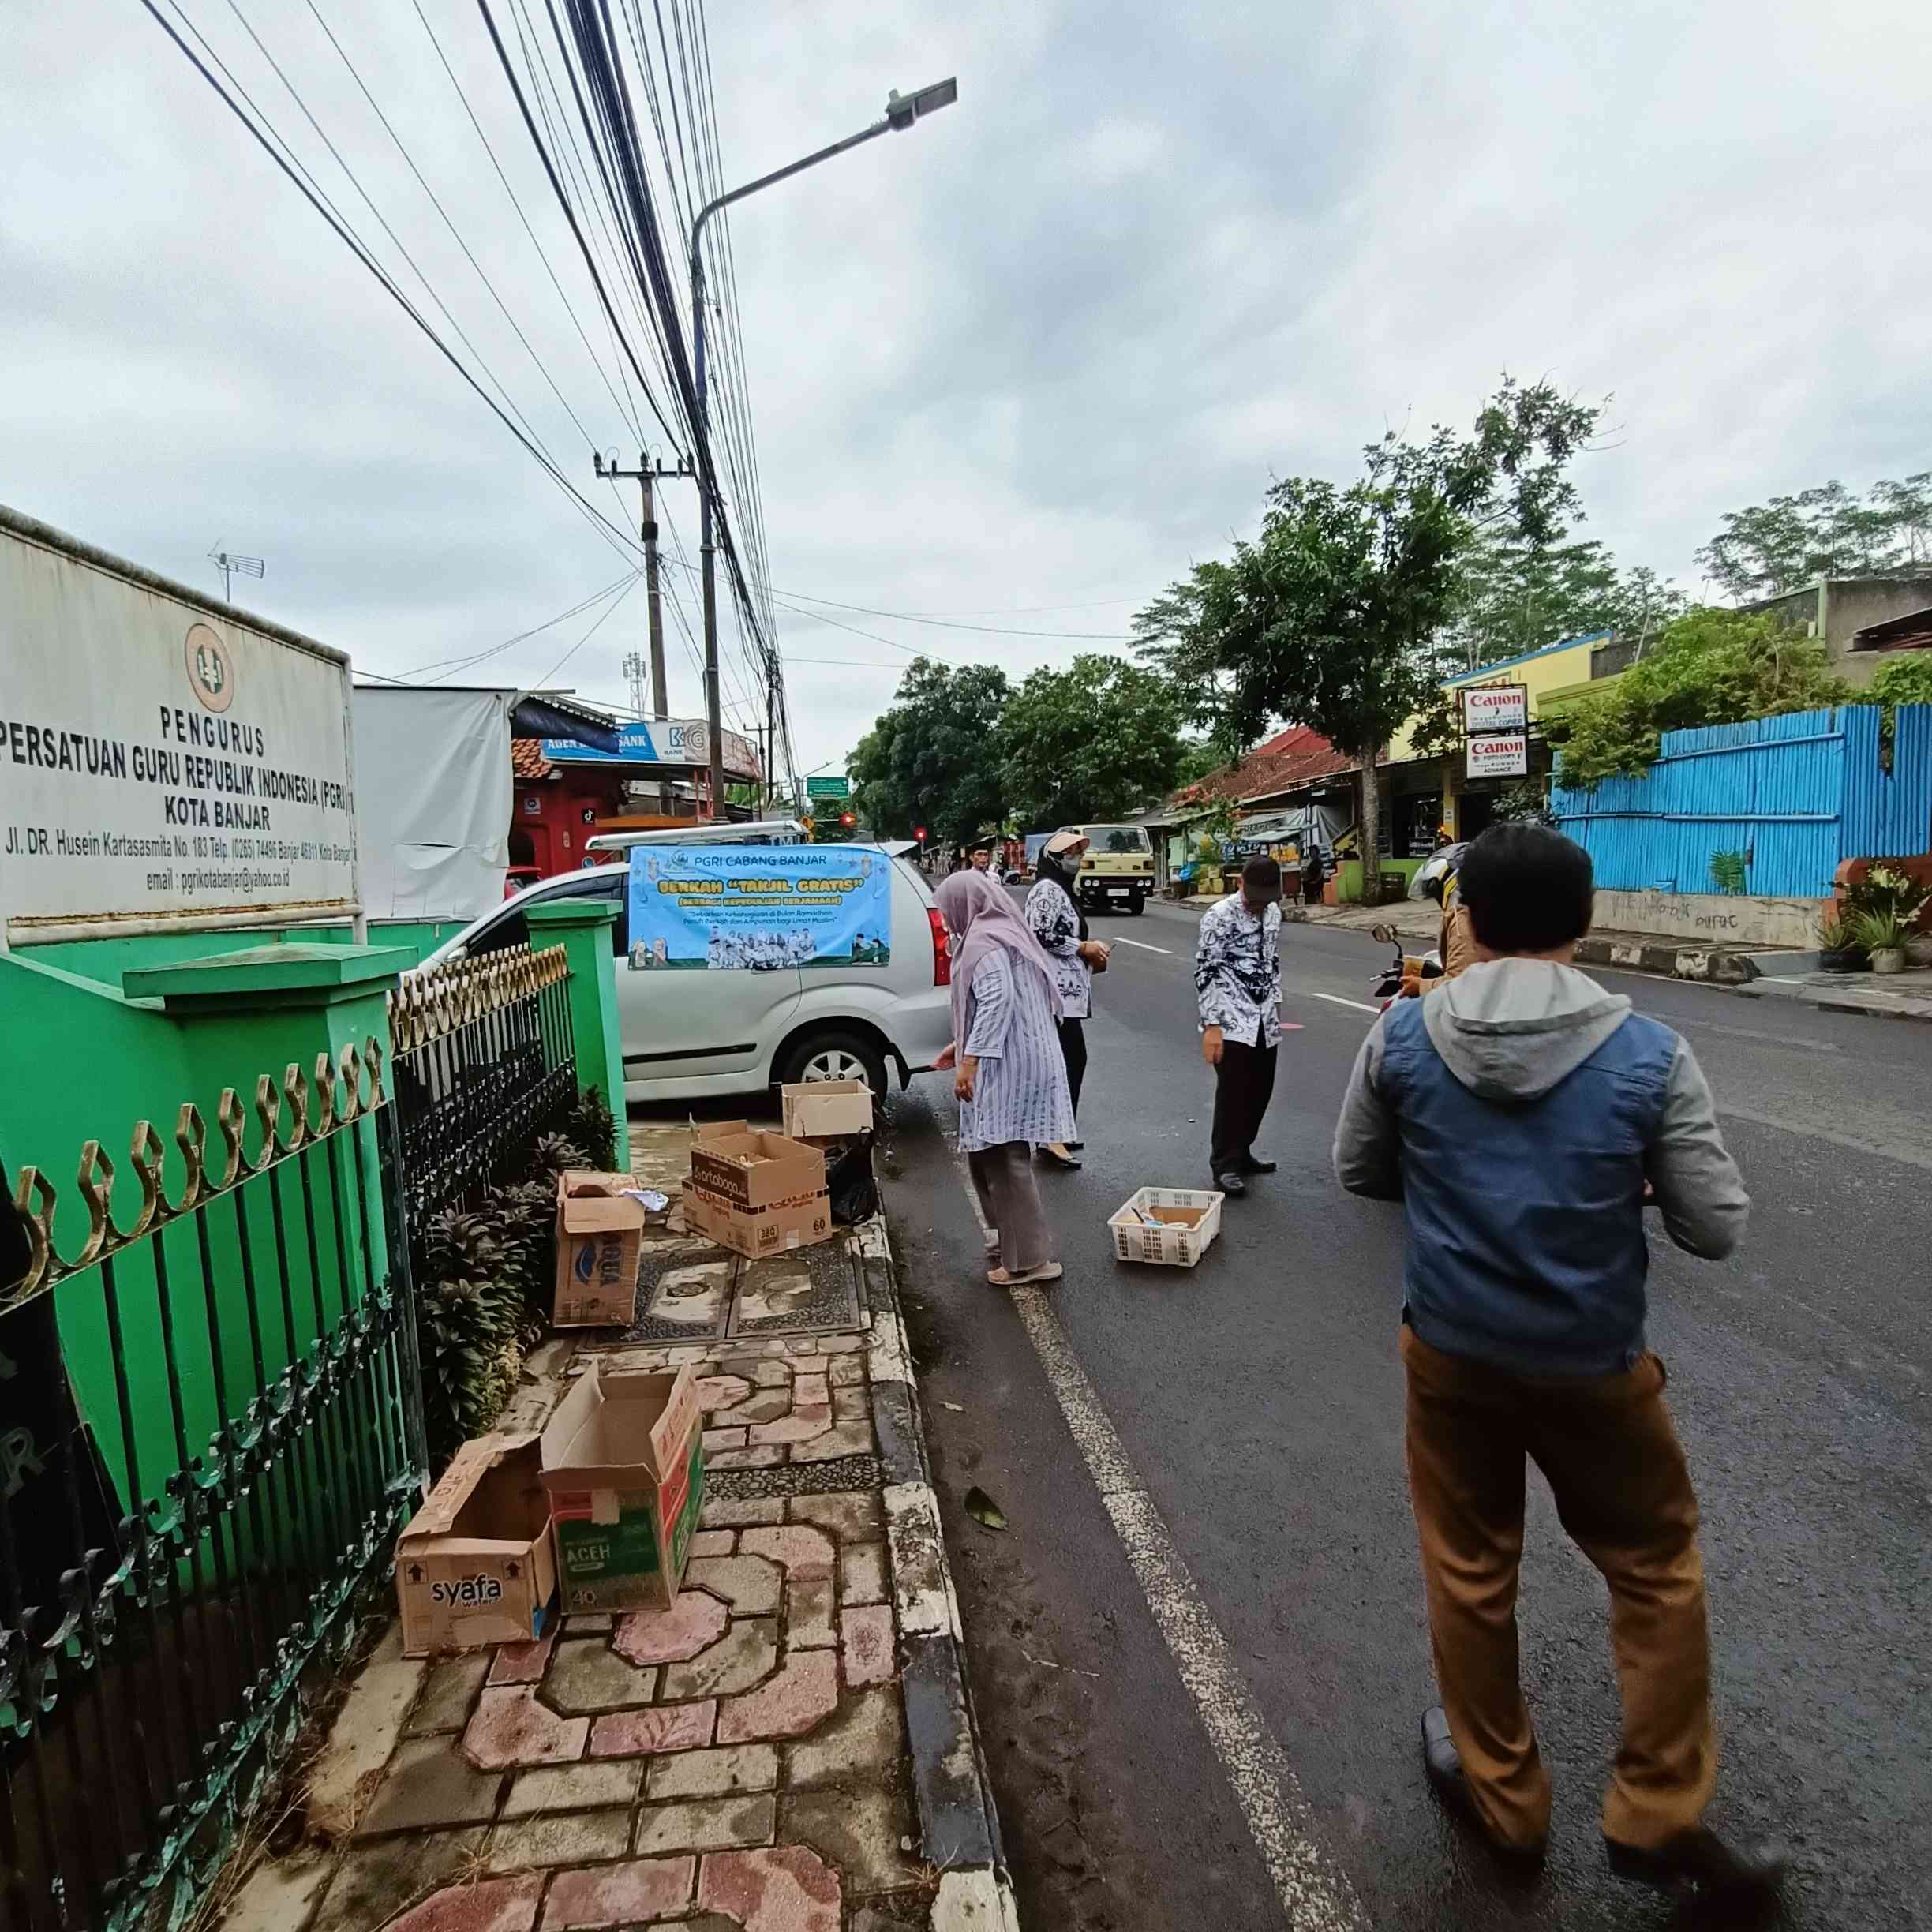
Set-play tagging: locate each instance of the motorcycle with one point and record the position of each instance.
(1418, 966)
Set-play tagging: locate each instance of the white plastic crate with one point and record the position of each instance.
(1166, 1244)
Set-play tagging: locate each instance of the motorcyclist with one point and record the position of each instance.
(1435, 878)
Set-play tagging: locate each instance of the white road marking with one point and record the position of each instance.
(1315, 1894)
(1335, 999)
(1142, 945)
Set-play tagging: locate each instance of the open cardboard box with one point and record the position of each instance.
(733, 1162)
(476, 1565)
(826, 1110)
(599, 1234)
(756, 1232)
(624, 1463)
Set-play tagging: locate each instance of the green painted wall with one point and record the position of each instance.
(105, 960)
(1348, 879)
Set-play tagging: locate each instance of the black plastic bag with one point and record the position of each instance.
(848, 1178)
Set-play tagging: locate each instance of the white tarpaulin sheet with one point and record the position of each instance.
(433, 800)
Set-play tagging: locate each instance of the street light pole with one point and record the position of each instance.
(901, 112)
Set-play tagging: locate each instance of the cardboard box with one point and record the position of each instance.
(750, 1169)
(755, 1232)
(624, 1464)
(477, 1565)
(826, 1110)
(599, 1234)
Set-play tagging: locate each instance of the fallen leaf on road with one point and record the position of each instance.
(983, 1510)
(957, 1408)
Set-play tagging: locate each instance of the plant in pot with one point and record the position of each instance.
(1882, 934)
(1838, 950)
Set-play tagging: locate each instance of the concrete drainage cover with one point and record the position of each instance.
(689, 1290)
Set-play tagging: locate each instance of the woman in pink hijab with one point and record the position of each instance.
(1009, 1071)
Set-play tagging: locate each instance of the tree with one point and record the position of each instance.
(1094, 742)
(1904, 680)
(1711, 667)
(930, 758)
(1185, 634)
(1332, 616)
(1514, 597)
(1827, 531)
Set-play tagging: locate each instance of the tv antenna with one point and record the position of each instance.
(232, 566)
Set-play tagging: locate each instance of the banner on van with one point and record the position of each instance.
(760, 907)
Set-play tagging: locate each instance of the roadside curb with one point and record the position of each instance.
(959, 1822)
(1874, 1005)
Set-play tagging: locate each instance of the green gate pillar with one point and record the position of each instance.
(582, 927)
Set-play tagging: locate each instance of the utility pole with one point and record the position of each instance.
(645, 474)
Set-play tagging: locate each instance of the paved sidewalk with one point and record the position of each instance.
(788, 1749)
(1902, 996)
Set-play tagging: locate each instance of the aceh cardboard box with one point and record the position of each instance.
(754, 1192)
(476, 1565)
(624, 1464)
(600, 1234)
(826, 1110)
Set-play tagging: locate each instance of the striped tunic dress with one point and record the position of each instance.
(1021, 1091)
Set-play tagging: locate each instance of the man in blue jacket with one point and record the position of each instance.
(1523, 1116)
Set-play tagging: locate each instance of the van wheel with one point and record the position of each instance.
(1136, 906)
(835, 1056)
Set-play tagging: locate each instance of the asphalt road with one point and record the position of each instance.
(1258, 1402)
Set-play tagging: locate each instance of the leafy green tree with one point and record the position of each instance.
(1827, 531)
(1095, 741)
(1904, 680)
(1514, 597)
(930, 759)
(1333, 616)
(1186, 633)
(1711, 667)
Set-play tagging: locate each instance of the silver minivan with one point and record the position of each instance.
(694, 1036)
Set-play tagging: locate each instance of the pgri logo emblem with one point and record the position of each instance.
(469, 1593)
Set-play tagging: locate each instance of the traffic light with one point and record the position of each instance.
(847, 820)
(919, 832)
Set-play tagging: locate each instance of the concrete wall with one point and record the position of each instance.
(1845, 605)
(1715, 917)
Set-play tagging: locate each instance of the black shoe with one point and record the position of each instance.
(1699, 1857)
(1052, 1159)
(1077, 1147)
(1231, 1184)
(1442, 1763)
(1250, 1165)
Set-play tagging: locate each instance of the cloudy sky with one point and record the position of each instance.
(1018, 367)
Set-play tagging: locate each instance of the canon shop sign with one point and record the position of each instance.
(164, 764)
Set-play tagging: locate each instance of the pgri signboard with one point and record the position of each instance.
(163, 763)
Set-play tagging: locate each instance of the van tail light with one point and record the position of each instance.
(942, 955)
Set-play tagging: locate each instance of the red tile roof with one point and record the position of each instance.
(527, 760)
(1297, 756)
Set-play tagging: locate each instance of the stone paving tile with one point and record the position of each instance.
(751, 1585)
(584, 1625)
(618, 1895)
(846, 1371)
(722, 1391)
(860, 1746)
(809, 1388)
(767, 1406)
(574, 1786)
(865, 1642)
(713, 1543)
(511, 1727)
(742, 1658)
(717, 1438)
(447, 1693)
(493, 1905)
(559, 1838)
(805, 1552)
(766, 1456)
(707, 1824)
(587, 1676)
(852, 1515)
(663, 1727)
(808, 1614)
(374, 1881)
(806, 1421)
(693, 1623)
(430, 1782)
(846, 1438)
(736, 1512)
(787, 1888)
(802, 1694)
(712, 1773)
(858, 1831)
(521, 1663)
(862, 1573)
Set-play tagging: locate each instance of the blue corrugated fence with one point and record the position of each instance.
(1796, 795)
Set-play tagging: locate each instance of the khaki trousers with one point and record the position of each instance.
(1614, 1464)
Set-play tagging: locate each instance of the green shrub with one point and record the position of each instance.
(592, 1126)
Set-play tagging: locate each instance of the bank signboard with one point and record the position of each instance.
(163, 764)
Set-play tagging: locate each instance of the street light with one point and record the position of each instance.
(901, 111)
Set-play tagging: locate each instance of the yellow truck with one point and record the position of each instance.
(1117, 869)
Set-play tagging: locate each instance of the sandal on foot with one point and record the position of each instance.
(1046, 1271)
